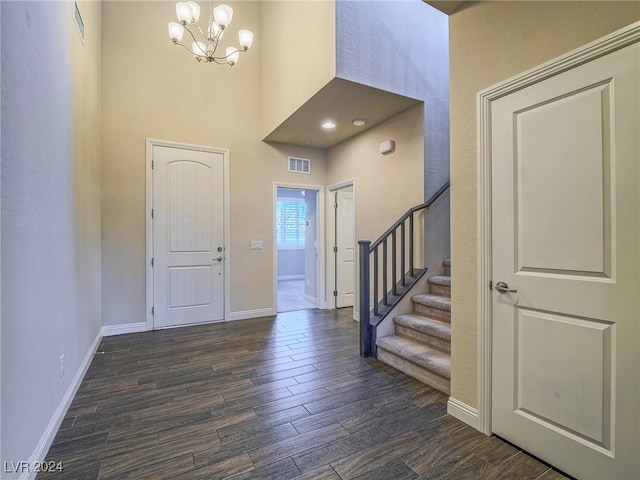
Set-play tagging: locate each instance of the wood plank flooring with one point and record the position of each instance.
(274, 398)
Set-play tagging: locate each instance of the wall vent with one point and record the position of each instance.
(299, 165)
(77, 18)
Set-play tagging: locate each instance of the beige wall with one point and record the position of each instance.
(490, 42)
(87, 142)
(153, 89)
(386, 186)
(299, 55)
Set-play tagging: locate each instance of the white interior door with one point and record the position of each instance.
(565, 216)
(344, 248)
(188, 247)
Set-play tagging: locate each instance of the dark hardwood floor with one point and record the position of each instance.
(273, 398)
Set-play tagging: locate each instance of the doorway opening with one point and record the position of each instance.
(296, 231)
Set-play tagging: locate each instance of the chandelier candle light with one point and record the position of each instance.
(188, 14)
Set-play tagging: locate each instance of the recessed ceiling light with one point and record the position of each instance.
(328, 124)
(359, 122)
(307, 142)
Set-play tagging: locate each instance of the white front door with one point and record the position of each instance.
(188, 247)
(566, 222)
(344, 248)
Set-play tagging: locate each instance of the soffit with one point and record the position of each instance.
(445, 6)
(341, 101)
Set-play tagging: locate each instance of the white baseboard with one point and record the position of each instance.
(246, 314)
(110, 330)
(310, 298)
(290, 277)
(463, 412)
(356, 315)
(40, 452)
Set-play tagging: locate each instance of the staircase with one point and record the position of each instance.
(421, 346)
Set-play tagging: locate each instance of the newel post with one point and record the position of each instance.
(365, 325)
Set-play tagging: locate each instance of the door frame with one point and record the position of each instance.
(331, 233)
(321, 301)
(150, 143)
(616, 40)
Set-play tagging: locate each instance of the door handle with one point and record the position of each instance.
(219, 259)
(502, 287)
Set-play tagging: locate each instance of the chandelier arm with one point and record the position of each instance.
(191, 33)
(199, 28)
(227, 56)
(215, 42)
(185, 47)
(203, 54)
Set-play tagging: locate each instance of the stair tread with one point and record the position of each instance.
(418, 353)
(426, 325)
(436, 301)
(440, 280)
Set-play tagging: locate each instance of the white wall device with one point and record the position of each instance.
(387, 147)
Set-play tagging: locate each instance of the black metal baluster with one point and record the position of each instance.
(402, 254)
(375, 281)
(394, 264)
(385, 300)
(411, 246)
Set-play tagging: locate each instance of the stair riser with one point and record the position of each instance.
(429, 340)
(431, 312)
(447, 270)
(441, 290)
(425, 376)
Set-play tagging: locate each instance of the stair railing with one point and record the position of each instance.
(384, 261)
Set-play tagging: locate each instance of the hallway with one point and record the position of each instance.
(291, 296)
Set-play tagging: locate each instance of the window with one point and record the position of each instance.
(290, 223)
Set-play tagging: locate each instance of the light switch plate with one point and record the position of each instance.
(256, 244)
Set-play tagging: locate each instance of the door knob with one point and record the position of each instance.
(502, 287)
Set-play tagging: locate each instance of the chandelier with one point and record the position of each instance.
(188, 14)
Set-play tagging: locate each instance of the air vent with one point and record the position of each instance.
(299, 165)
(77, 17)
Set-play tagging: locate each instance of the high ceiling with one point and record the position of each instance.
(340, 101)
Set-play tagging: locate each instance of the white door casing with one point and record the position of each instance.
(321, 300)
(188, 236)
(562, 171)
(344, 248)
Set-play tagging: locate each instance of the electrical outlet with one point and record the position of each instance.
(61, 365)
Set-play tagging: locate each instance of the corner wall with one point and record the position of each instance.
(403, 47)
(490, 42)
(386, 186)
(153, 89)
(298, 44)
(50, 217)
